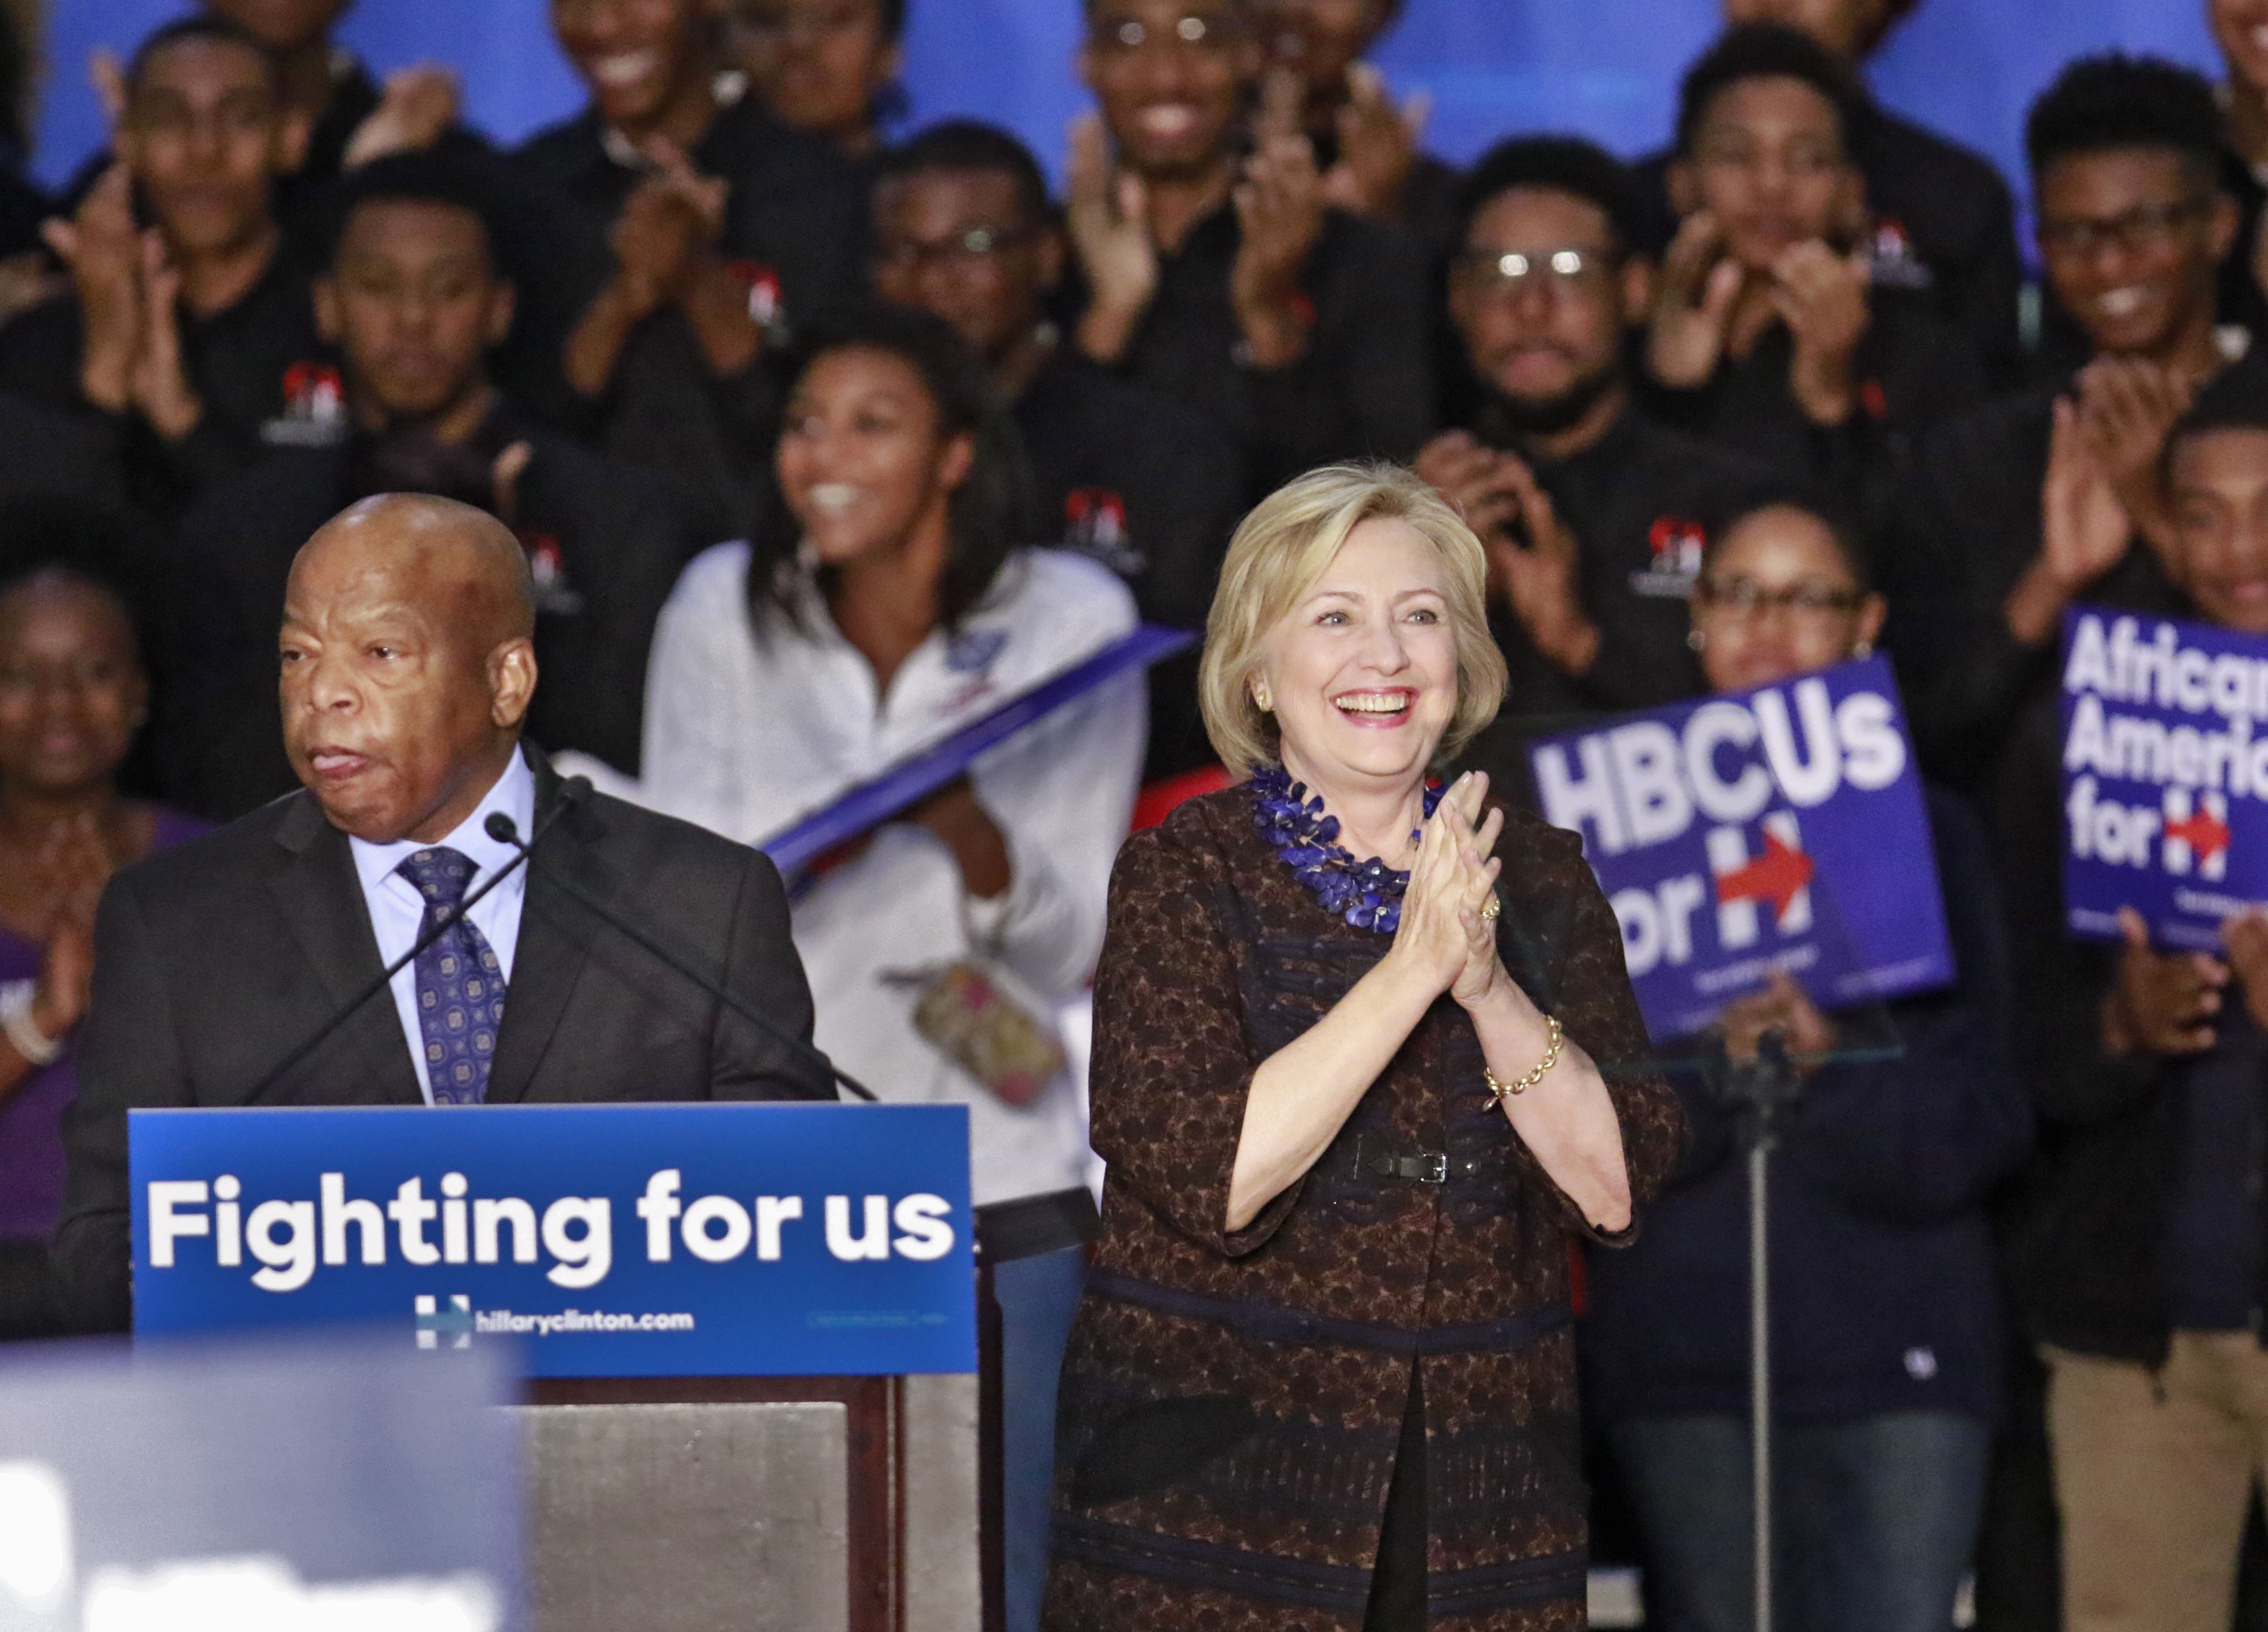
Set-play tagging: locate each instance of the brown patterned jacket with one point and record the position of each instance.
(1231, 1402)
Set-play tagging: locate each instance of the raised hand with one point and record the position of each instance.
(76, 856)
(2161, 1003)
(1544, 578)
(2127, 406)
(669, 218)
(1279, 210)
(1432, 934)
(161, 386)
(504, 480)
(2084, 530)
(1108, 214)
(28, 279)
(107, 75)
(1693, 306)
(2246, 936)
(1821, 297)
(1378, 143)
(1471, 477)
(1781, 1006)
(1477, 871)
(419, 104)
(103, 249)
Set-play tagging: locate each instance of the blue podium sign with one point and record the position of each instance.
(606, 1240)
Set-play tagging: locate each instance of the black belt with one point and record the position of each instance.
(1375, 1160)
(1271, 1323)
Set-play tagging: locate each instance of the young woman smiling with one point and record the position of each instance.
(884, 605)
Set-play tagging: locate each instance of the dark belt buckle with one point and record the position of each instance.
(1430, 1167)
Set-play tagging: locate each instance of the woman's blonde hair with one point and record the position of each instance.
(1284, 547)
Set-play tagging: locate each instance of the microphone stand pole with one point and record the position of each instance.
(1762, 1090)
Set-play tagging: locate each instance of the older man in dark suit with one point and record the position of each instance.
(408, 667)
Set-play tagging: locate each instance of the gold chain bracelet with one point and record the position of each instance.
(1498, 1093)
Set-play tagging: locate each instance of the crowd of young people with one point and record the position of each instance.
(823, 432)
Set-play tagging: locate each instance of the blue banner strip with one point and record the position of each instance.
(871, 804)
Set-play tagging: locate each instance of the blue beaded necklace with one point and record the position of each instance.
(1367, 894)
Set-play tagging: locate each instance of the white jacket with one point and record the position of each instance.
(747, 736)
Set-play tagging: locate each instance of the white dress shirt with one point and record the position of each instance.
(746, 736)
(397, 908)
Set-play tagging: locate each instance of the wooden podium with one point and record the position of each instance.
(750, 1332)
(800, 1504)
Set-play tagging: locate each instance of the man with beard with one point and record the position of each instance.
(1594, 517)
(414, 302)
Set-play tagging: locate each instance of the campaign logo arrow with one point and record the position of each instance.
(2205, 834)
(1777, 876)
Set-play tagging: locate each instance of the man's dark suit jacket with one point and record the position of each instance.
(214, 961)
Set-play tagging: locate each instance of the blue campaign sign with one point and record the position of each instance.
(607, 1240)
(2162, 777)
(1779, 828)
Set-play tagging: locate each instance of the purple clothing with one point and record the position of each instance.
(31, 1119)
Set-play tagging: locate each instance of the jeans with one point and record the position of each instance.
(1038, 1297)
(1874, 1519)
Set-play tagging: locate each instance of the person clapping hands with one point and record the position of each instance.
(1767, 331)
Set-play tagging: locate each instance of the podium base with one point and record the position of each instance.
(804, 1505)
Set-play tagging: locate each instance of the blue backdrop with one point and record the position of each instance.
(1606, 67)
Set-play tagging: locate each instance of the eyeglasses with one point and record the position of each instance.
(2145, 226)
(1745, 597)
(971, 246)
(1491, 273)
(1128, 35)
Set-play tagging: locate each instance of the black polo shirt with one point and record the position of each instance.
(1643, 501)
(605, 545)
(1364, 386)
(1912, 367)
(1968, 528)
(1149, 488)
(1945, 228)
(794, 226)
(264, 376)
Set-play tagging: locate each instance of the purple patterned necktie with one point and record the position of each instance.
(459, 983)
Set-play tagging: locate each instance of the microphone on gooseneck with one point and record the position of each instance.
(569, 794)
(504, 830)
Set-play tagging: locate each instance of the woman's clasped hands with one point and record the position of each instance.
(1447, 928)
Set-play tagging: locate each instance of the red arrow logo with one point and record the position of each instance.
(2205, 835)
(1775, 876)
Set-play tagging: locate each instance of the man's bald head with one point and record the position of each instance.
(408, 663)
(443, 543)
